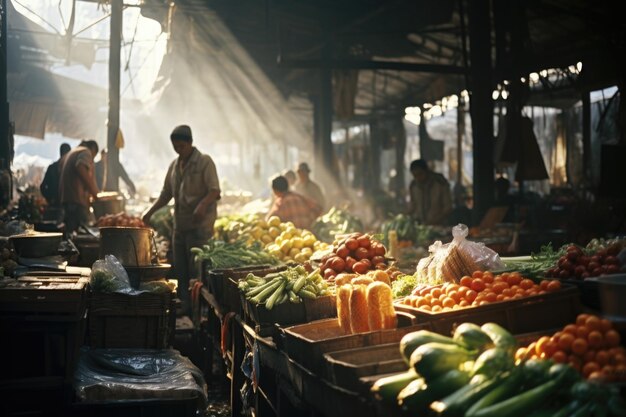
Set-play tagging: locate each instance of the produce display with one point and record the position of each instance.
(479, 289)
(162, 221)
(357, 252)
(365, 303)
(591, 346)
(474, 374)
(335, 222)
(290, 285)
(580, 264)
(220, 254)
(120, 220)
(409, 229)
(230, 227)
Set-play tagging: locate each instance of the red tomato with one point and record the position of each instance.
(352, 244)
(360, 268)
(342, 251)
(329, 273)
(364, 241)
(378, 260)
(380, 249)
(338, 264)
(361, 253)
(350, 261)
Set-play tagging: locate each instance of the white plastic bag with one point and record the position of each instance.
(109, 275)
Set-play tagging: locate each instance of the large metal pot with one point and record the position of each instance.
(612, 291)
(132, 246)
(36, 245)
(108, 203)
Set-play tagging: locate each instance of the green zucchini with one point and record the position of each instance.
(413, 340)
(500, 337)
(417, 396)
(457, 403)
(493, 361)
(434, 359)
(536, 372)
(471, 336)
(509, 385)
(388, 388)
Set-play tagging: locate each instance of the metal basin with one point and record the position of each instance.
(132, 246)
(108, 203)
(36, 245)
(612, 291)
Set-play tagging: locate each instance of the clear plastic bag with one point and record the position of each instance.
(109, 275)
(484, 258)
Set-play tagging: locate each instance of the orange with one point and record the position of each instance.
(499, 287)
(570, 328)
(448, 302)
(526, 284)
(463, 303)
(602, 357)
(612, 338)
(606, 325)
(579, 346)
(574, 362)
(541, 344)
(565, 341)
(423, 302)
(507, 292)
(491, 296)
(436, 309)
(554, 285)
(589, 368)
(582, 331)
(478, 285)
(462, 290)
(589, 356)
(559, 356)
(477, 274)
(514, 278)
(435, 303)
(593, 323)
(455, 296)
(426, 307)
(452, 287)
(520, 353)
(466, 281)
(597, 376)
(581, 319)
(500, 297)
(544, 284)
(487, 277)
(436, 292)
(595, 339)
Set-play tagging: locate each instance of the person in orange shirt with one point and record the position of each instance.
(292, 207)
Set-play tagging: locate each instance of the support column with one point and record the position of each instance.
(587, 174)
(113, 125)
(481, 105)
(5, 146)
(326, 116)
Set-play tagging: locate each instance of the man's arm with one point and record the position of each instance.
(164, 198)
(200, 210)
(88, 179)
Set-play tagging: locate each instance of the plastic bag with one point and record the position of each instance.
(484, 258)
(449, 262)
(108, 275)
(131, 374)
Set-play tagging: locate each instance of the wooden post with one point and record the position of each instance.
(587, 174)
(326, 114)
(113, 125)
(481, 105)
(5, 146)
(460, 131)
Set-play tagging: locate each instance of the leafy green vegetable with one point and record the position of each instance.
(335, 222)
(222, 254)
(538, 262)
(403, 285)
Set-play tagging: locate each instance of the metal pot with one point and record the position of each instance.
(612, 291)
(108, 203)
(132, 246)
(36, 245)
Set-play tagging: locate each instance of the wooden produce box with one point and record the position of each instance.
(346, 367)
(288, 313)
(59, 295)
(524, 315)
(307, 343)
(145, 321)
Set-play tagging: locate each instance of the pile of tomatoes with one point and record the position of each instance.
(576, 264)
(591, 346)
(479, 289)
(120, 220)
(358, 253)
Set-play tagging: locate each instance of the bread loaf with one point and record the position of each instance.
(343, 307)
(381, 314)
(358, 309)
(362, 281)
(381, 276)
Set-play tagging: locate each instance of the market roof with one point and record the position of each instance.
(407, 52)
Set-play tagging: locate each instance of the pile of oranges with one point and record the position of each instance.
(591, 346)
(479, 289)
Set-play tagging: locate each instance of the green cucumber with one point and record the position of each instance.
(500, 337)
(457, 403)
(417, 396)
(472, 336)
(387, 389)
(434, 359)
(509, 385)
(413, 340)
(492, 362)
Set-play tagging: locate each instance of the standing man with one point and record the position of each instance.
(78, 184)
(50, 185)
(192, 180)
(431, 200)
(292, 207)
(307, 187)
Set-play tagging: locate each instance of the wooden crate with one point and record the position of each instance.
(346, 367)
(307, 343)
(288, 313)
(131, 321)
(45, 295)
(524, 315)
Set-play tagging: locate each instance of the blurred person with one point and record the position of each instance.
(307, 187)
(50, 185)
(461, 213)
(430, 196)
(193, 183)
(291, 206)
(291, 178)
(101, 173)
(77, 184)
